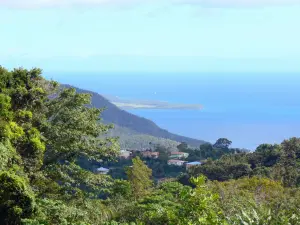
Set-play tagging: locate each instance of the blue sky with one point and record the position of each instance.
(147, 36)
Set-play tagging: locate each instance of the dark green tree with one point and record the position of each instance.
(17, 200)
(289, 161)
(206, 150)
(182, 146)
(139, 176)
(121, 188)
(222, 143)
(163, 153)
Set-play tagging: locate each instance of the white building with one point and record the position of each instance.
(125, 154)
(176, 162)
(102, 170)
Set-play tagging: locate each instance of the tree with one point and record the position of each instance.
(266, 155)
(43, 132)
(222, 143)
(139, 176)
(291, 152)
(163, 153)
(74, 131)
(16, 199)
(22, 97)
(206, 150)
(200, 206)
(8, 156)
(121, 188)
(182, 146)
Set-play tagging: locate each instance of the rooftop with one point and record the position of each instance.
(194, 163)
(102, 169)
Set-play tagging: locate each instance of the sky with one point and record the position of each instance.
(151, 36)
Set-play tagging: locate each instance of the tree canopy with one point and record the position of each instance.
(222, 143)
(44, 130)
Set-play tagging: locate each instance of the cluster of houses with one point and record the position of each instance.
(178, 159)
(175, 159)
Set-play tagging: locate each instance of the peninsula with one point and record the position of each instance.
(150, 104)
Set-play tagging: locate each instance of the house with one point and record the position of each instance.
(176, 162)
(102, 170)
(192, 164)
(179, 155)
(125, 154)
(148, 154)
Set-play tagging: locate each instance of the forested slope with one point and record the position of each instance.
(122, 118)
(130, 139)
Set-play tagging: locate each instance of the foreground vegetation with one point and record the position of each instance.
(46, 132)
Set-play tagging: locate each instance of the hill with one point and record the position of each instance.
(137, 124)
(130, 139)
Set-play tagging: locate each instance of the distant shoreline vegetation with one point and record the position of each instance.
(149, 104)
(154, 106)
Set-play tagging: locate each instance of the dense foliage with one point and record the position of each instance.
(277, 162)
(43, 133)
(51, 137)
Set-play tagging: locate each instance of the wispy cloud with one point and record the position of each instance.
(49, 3)
(240, 3)
(62, 3)
(206, 3)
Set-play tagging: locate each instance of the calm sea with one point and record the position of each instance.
(248, 109)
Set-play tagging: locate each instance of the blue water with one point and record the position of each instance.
(249, 109)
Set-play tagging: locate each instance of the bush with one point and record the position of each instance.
(16, 199)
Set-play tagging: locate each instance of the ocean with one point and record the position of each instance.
(249, 109)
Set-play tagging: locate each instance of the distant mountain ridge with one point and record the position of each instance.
(141, 125)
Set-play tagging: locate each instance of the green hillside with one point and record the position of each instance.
(134, 123)
(130, 139)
